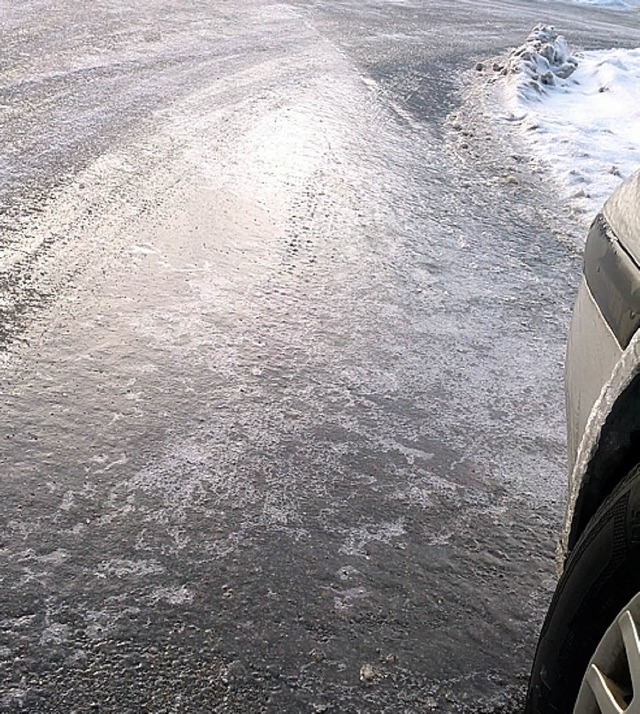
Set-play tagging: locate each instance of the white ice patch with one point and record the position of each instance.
(172, 595)
(122, 568)
(55, 634)
(360, 537)
(14, 697)
(347, 599)
(581, 113)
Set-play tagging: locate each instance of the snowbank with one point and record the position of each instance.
(580, 112)
(542, 61)
(610, 4)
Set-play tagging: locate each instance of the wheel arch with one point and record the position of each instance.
(608, 449)
(615, 452)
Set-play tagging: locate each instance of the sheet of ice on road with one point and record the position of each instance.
(581, 112)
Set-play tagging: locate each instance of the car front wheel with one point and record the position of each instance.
(588, 656)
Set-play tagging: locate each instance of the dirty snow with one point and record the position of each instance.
(580, 112)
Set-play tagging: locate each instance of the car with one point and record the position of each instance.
(588, 654)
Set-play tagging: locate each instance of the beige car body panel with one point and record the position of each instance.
(598, 369)
(598, 372)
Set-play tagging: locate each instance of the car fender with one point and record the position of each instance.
(625, 372)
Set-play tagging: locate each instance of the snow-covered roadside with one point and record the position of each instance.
(580, 113)
(609, 4)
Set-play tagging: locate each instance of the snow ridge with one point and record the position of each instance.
(610, 4)
(544, 60)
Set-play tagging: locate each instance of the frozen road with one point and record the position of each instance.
(281, 358)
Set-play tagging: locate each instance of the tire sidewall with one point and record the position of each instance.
(600, 578)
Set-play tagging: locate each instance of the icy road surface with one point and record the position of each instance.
(282, 423)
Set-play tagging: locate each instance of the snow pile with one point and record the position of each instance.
(581, 114)
(610, 4)
(542, 61)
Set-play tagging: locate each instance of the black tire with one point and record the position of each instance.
(601, 577)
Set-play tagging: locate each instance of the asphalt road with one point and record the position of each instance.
(281, 357)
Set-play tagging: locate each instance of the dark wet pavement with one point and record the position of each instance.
(281, 361)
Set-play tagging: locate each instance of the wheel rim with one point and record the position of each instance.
(611, 684)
